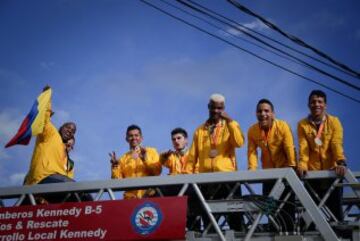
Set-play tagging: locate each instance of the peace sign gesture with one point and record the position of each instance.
(114, 162)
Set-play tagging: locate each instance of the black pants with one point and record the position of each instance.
(334, 201)
(287, 214)
(219, 192)
(59, 197)
(193, 221)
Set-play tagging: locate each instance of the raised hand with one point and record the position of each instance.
(142, 153)
(165, 155)
(114, 162)
(225, 116)
(46, 87)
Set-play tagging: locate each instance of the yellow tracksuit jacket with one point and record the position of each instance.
(324, 157)
(176, 163)
(49, 156)
(277, 150)
(131, 168)
(230, 137)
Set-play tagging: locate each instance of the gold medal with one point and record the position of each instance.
(318, 141)
(213, 153)
(135, 155)
(135, 152)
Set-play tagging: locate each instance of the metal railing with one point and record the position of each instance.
(285, 179)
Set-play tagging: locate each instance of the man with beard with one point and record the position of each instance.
(213, 149)
(321, 148)
(275, 140)
(139, 161)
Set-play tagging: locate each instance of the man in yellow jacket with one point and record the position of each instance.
(275, 140)
(214, 142)
(138, 162)
(321, 148)
(273, 137)
(175, 160)
(49, 162)
(213, 149)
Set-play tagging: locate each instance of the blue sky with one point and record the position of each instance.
(114, 63)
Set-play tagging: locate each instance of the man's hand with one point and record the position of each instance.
(226, 117)
(339, 170)
(142, 153)
(46, 88)
(300, 172)
(164, 156)
(113, 160)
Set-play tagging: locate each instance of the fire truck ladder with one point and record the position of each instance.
(258, 211)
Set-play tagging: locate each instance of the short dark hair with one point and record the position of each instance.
(67, 124)
(318, 93)
(265, 101)
(179, 130)
(133, 127)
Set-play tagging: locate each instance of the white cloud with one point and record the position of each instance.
(8, 124)
(233, 31)
(17, 178)
(256, 25)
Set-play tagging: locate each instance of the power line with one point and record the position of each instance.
(278, 42)
(249, 52)
(272, 47)
(292, 37)
(233, 35)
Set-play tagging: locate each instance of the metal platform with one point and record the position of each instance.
(258, 212)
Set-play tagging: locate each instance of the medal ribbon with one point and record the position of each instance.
(319, 132)
(137, 151)
(214, 136)
(265, 137)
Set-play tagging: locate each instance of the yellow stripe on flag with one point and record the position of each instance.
(44, 105)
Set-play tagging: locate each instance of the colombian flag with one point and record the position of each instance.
(34, 122)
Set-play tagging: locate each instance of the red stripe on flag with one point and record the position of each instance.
(20, 137)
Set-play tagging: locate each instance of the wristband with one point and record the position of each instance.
(341, 163)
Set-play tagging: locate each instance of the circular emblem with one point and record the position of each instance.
(146, 218)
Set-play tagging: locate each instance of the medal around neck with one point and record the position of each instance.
(318, 141)
(135, 155)
(213, 153)
(135, 152)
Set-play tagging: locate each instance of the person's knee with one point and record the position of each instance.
(55, 178)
